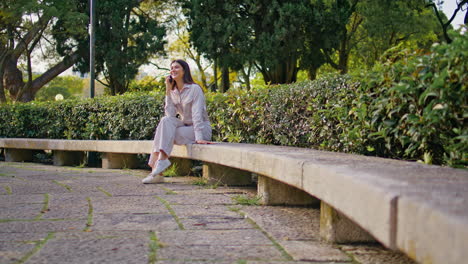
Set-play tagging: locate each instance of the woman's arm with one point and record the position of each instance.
(198, 108)
(169, 107)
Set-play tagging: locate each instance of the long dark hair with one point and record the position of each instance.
(187, 75)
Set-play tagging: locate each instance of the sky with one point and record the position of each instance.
(448, 7)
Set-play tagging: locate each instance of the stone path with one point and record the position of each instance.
(87, 215)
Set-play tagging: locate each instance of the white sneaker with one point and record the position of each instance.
(153, 179)
(161, 166)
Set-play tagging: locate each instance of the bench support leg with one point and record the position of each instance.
(119, 161)
(68, 158)
(184, 166)
(18, 155)
(273, 192)
(337, 228)
(222, 175)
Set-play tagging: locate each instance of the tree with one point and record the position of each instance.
(237, 34)
(24, 24)
(387, 24)
(444, 23)
(329, 31)
(126, 37)
(181, 46)
(365, 29)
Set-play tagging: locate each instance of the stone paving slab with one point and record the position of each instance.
(21, 211)
(313, 251)
(66, 207)
(11, 251)
(214, 237)
(21, 237)
(107, 216)
(219, 223)
(92, 250)
(207, 211)
(197, 199)
(134, 189)
(128, 204)
(374, 254)
(214, 252)
(281, 222)
(13, 200)
(124, 221)
(36, 187)
(41, 226)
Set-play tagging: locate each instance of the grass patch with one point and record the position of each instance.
(204, 182)
(38, 247)
(276, 244)
(104, 191)
(45, 207)
(169, 191)
(246, 200)
(82, 165)
(200, 182)
(171, 171)
(154, 246)
(172, 212)
(89, 222)
(234, 209)
(69, 188)
(8, 189)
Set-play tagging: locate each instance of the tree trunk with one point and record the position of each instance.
(23, 92)
(312, 73)
(225, 79)
(13, 78)
(344, 54)
(197, 60)
(2, 71)
(281, 73)
(214, 88)
(246, 75)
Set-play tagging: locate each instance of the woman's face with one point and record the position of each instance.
(177, 72)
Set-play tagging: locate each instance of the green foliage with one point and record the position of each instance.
(147, 84)
(130, 116)
(126, 38)
(236, 33)
(246, 200)
(387, 24)
(419, 104)
(68, 86)
(411, 106)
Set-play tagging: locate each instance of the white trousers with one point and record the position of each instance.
(172, 130)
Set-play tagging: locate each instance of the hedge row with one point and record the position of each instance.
(130, 116)
(411, 107)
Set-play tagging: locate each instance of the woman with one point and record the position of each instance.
(186, 98)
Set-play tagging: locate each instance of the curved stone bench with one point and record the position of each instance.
(418, 209)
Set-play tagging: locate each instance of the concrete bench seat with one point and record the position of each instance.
(419, 209)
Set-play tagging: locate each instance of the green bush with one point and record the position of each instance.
(417, 104)
(130, 116)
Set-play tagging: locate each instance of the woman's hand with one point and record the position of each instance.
(203, 142)
(169, 85)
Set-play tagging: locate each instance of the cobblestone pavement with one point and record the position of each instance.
(54, 214)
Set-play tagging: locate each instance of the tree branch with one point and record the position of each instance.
(62, 66)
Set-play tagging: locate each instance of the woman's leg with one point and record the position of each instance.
(164, 137)
(153, 159)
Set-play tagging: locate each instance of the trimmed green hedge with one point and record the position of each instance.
(411, 107)
(130, 116)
